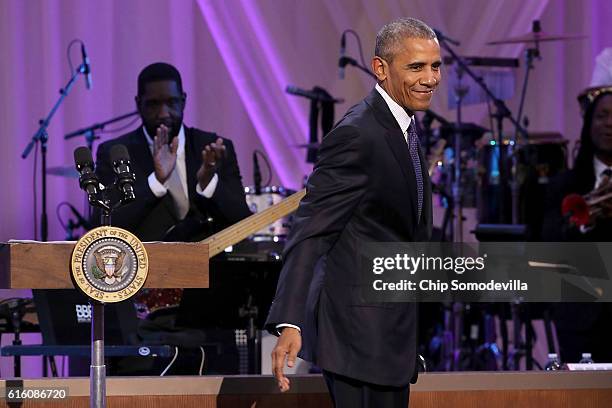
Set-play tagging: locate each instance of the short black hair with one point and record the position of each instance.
(388, 39)
(159, 71)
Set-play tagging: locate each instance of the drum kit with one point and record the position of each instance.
(494, 167)
(497, 167)
(267, 197)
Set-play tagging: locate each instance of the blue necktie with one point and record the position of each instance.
(413, 146)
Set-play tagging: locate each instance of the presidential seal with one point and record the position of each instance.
(109, 264)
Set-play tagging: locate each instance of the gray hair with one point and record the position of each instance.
(388, 39)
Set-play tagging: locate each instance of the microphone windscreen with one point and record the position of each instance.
(119, 153)
(82, 156)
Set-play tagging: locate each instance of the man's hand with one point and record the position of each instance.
(212, 155)
(164, 154)
(287, 346)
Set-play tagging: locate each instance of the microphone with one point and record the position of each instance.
(125, 177)
(344, 61)
(342, 52)
(256, 174)
(120, 159)
(317, 96)
(88, 180)
(86, 67)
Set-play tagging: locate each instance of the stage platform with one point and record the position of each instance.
(439, 390)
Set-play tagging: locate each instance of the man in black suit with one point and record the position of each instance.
(187, 186)
(370, 184)
(583, 327)
(187, 180)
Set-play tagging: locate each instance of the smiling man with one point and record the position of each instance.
(370, 184)
(184, 176)
(188, 185)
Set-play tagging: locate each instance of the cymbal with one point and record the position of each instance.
(539, 37)
(306, 146)
(63, 171)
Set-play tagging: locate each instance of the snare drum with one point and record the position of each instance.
(269, 196)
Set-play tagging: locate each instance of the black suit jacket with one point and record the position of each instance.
(363, 189)
(150, 217)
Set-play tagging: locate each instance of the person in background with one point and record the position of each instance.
(584, 327)
(188, 185)
(187, 181)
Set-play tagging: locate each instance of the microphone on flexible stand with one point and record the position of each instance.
(125, 176)
(256, 174)
(344, 61)
(86, 67)
(341, 65)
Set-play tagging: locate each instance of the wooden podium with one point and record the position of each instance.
(46, 265)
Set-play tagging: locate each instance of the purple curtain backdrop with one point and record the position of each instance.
(236, 58)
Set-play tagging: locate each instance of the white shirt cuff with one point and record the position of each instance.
(281, 325)
(157, 188)
(210, 188)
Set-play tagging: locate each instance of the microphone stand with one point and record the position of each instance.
(530, 54)
(502, 112)
(89, 131)
(97, 369)
(344, 61)
(317, 97)
(41, 136)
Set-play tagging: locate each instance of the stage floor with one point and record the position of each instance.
(440, 390)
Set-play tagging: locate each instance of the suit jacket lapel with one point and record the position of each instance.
(193, 154)
(140, 153)
(397, 143)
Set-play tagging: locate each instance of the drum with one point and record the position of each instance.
(269, 196)
(442, 169)
(540, 158)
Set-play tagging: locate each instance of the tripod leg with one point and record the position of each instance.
(548, 329)
(529, 338)
(517, 325)
(503, 328)
(53, 366)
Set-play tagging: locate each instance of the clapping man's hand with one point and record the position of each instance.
(164, 154)
(212, 155)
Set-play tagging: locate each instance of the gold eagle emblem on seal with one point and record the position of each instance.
(109, 264)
